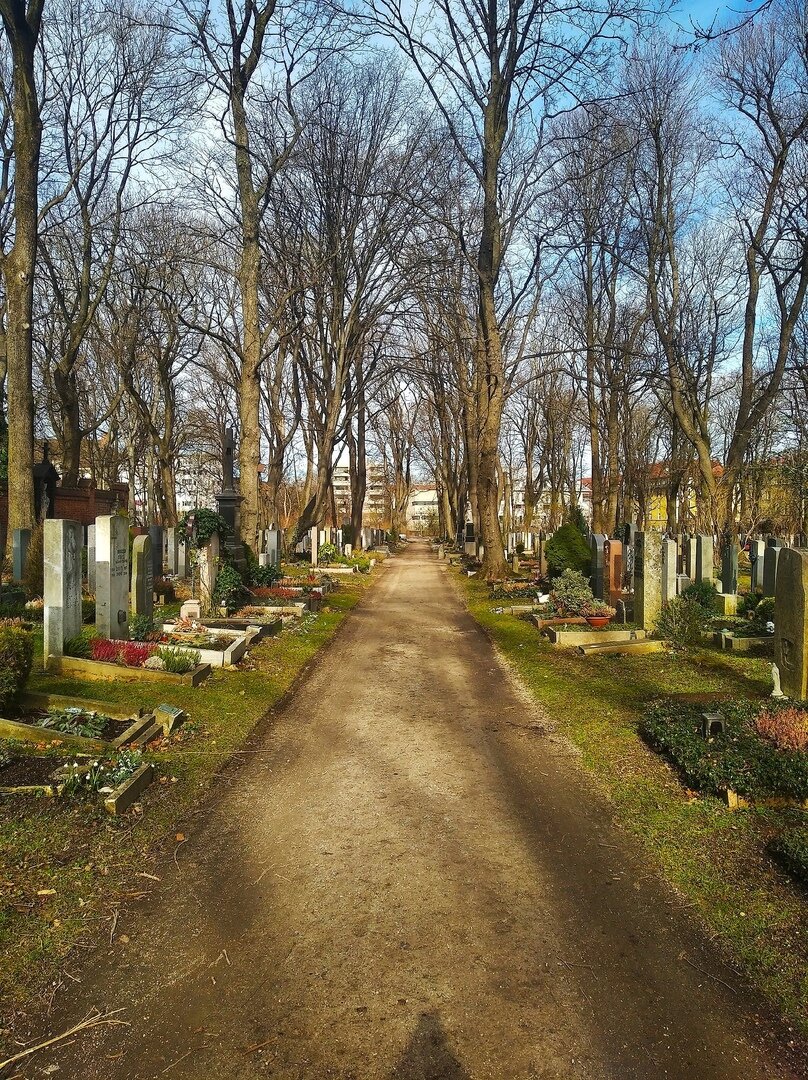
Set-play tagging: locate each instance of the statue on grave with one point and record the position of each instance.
(777, 692)
(228, 450)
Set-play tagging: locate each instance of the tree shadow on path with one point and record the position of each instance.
(427, 1056)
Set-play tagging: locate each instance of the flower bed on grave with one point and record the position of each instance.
(760, 755)
(33, 721)
(119, 779)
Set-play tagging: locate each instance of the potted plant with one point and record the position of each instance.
(598, 614)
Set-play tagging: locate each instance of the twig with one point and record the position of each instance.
(176, 849)
(709, 975)
(90, 1021)
(113, 927)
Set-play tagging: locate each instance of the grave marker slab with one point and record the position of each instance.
(91, 559)
(757, 554)
(647, 578)
(729, 567)
(156, 537)
(142, 577)
(62, 615)
(774, 546)
(704, 558)
(112, 576)
(596, 542)
(791, 622)
(612, 571)
(172, 549)
(670, 554)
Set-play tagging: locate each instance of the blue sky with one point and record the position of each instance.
(704, 11)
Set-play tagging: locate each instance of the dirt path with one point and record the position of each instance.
(410, 882)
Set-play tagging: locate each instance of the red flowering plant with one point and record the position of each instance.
(787, 728)
(127, 653)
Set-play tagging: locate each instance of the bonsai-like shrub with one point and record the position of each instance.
(571, 594)
(567, 549)
(177, 659)
(704, 593)
(787, 728)
(16, 658)
(520, 548)
(683, 620)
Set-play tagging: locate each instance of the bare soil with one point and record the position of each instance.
(408, 877)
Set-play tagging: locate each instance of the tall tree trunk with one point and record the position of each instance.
(22, 23)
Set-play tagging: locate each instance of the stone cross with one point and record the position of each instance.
(62, 616)
(112, 576)
(20, 539)
(791, 622)
(142, 577)
(647, 578)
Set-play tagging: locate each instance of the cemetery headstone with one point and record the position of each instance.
(142, 577)
(729, 567)
(20, 539)
(172, 549)
(348, 551)
(191, 609)
(469, 543)
(774, 546)
(596, 542)
(156, 537)
(182, 558)
(62, 615)
(757, 554)
(670, 553)
(629, 534)
(647, 578)
(111, 576)
(682, 583)
(791, 622)
(228, 503)
(704, 558)
(612, 571)
(274, 546)
(315, 545)
(208, 561)
(91, 559)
